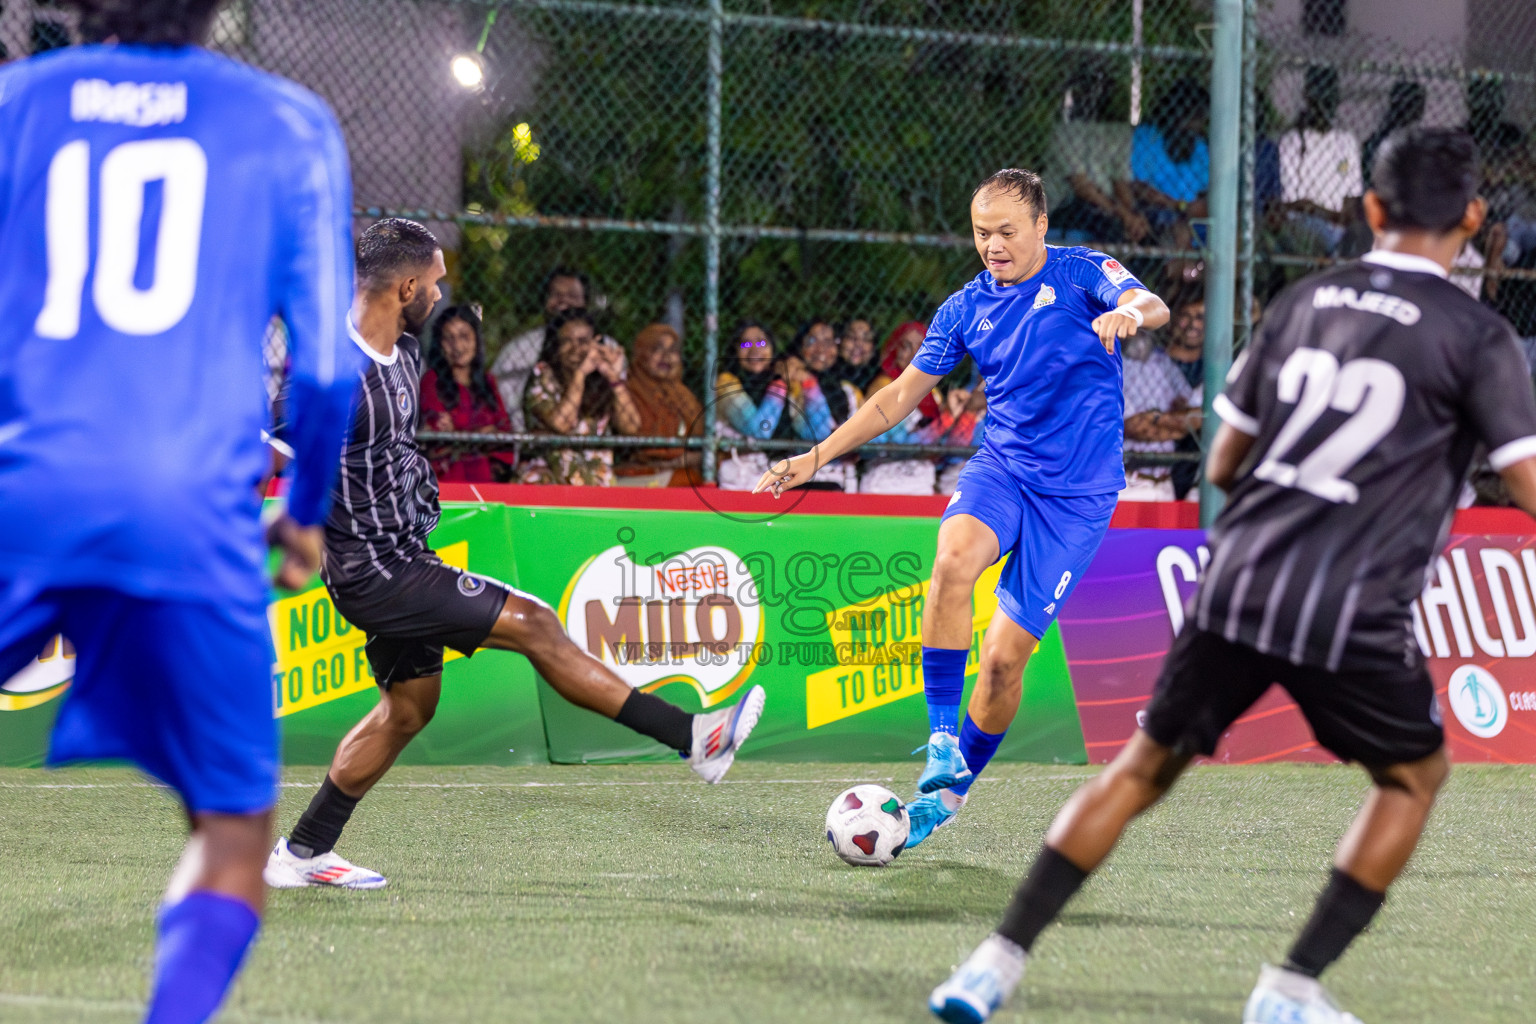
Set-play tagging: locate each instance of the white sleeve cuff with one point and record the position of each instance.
(1236, 418)
(1506, 455)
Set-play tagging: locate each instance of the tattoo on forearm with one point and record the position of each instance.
(883, 416)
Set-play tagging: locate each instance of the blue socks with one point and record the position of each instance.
(203, 940)
(978, 748)
(943, 682)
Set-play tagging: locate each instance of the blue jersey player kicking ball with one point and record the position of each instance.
(1042, 323)
(159, 205)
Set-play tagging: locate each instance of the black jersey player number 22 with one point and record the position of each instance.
(1369, 390)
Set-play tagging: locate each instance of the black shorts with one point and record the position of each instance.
(423, 606)
(1376, 718)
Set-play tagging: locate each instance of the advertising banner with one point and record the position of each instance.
(321, 682)
(825, 611)
(1475, 624)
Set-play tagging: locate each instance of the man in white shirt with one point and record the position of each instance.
(1320, 176)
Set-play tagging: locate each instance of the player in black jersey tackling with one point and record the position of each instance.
(1348, 428)
(384, 579)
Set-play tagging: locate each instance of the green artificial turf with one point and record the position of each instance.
(618, 894)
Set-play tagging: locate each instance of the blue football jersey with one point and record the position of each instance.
(1055, 411)
(158, 206)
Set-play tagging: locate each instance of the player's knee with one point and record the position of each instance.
(956, 570)
(1003, 669)
(1420, 779)
(409, 716)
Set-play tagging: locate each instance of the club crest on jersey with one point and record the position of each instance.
(403, 401)
(469, 585)
(1045, 297)
(1115, 272)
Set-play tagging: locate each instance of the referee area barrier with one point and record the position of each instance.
(696, 595)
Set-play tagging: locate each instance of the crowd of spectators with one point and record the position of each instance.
(1112, 185)
(566, 378)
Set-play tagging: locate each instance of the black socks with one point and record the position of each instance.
(1342, 912)
(651, 716)
(1045, 890)
(320, 826)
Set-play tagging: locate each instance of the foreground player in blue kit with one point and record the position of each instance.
(159, 205)
(1042, 323)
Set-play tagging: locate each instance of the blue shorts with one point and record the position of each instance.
(1051, 539)
(181, 689)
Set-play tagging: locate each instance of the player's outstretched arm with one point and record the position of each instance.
(883, 410)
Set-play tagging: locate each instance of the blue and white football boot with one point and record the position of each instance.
(931, 811)
(718, 735)
(981, 984)
(1285, 997)
(946, 765)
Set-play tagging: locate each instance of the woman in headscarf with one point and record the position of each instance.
(667, 409)
(749, 402)
(929, 423)
(820, 400)
(457, 394)
(856, 362)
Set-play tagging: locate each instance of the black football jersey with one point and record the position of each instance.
(1367, 388)
(385, 500)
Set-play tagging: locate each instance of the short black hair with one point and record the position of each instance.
(1023, 185)
(391, 246)
(564, 270)
(1425, 177)
(150, 22)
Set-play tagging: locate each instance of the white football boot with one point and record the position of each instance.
(284, 870)
(981, 984)
(1285, 997)
(719, 734)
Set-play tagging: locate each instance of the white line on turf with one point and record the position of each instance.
(536, 785)
(124, 1006)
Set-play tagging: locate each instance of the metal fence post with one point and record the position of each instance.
(712, 231)
(1221, 270)
(1248, 211)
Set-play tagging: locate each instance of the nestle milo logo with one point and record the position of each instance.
(677, 621)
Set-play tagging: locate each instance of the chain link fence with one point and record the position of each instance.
(795, 163)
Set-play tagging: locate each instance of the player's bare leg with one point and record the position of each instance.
(967, 546)
(1081, 836)
(532, 629)
(1372, 854)
(708, 741)
(370, 748)
(209, 915)
(1000, 682)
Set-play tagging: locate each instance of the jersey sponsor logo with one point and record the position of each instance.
(138, 104)
(1380, 303)
(985, 325)
(1478, 701)
(1045, 297)
(47, 677)
(1115, 272)
(688, 619)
